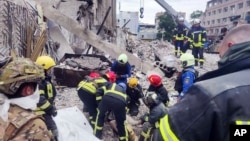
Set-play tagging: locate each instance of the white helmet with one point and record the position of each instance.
(123, 58)
(187, 60)
(181, 19)
(169, 61)
(197, 21)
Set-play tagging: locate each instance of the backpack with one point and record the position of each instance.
(178, 83)
(18, 120)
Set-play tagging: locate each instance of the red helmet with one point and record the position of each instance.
(111, 76)
(94, 75)
(154, 80)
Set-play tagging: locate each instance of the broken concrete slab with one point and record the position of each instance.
(90, 37)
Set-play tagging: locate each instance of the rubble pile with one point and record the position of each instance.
(84, 63)
(163, 49)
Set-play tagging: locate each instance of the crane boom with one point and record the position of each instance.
(171, 11)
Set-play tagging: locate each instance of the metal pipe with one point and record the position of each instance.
(100, 28)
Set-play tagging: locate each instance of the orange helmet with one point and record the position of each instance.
(94, 75)
(155, 80)
(111, 76)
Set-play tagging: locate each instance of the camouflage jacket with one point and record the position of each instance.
(23, 125)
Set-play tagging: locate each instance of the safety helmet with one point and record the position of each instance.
(132, 82)
(94, 75)
(196, 21)
(111, 76)
(18, 72)
(169, 61)
(181, 19)
(123, 58)
(187, 60)
(150, 99)
(154, 80)
(45, 61)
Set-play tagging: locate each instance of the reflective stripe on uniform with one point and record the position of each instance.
(100, 80)
(41, 92)
(89, 86)
(39, 112)
(125, 138)
(96, 121)
(166, 132)
(98, 98)
(240, 122)
(147, 134)
(201, 60)
(49, 90)
(113, 91)
(44, 106)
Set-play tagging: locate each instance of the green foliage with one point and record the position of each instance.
(196, 14)
(166, 26)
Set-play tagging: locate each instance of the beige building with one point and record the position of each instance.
(221, 13)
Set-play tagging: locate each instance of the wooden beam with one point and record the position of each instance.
(39, 46)
(90, 37)
(29, 41)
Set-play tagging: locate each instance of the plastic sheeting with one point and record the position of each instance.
(73, 125)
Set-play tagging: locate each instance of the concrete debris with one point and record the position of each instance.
(84, 63)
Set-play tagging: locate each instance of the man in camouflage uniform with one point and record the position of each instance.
(18, 97)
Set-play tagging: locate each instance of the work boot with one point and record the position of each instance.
(201, 66)
(196, 63)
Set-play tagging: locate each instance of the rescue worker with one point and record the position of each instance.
(217, 100)
(111, 97)
(197, 37)
(134, 91)
(19, 96)
(86, 91)
(188, 75)
(170, 64)
(157, 110)
(46, 106)
(121, 68)
(157, 87)
(180, 33)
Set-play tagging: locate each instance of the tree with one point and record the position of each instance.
(196, 14)
(166, 26)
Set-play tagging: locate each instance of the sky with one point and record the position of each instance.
(151, 7)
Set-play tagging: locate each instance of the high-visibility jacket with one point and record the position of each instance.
(218, 99)
(113, 90)
(91, 86)
(180, 32)
(47, 96)
(197, 36)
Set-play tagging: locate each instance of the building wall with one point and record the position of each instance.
(147, 32)
(100, 8)
(218, 13)
(125, 16)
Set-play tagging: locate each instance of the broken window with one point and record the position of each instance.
(248, 3)
(232, 7)
(225, 9)
(240, 5)
(218, 21)
(219, 10)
